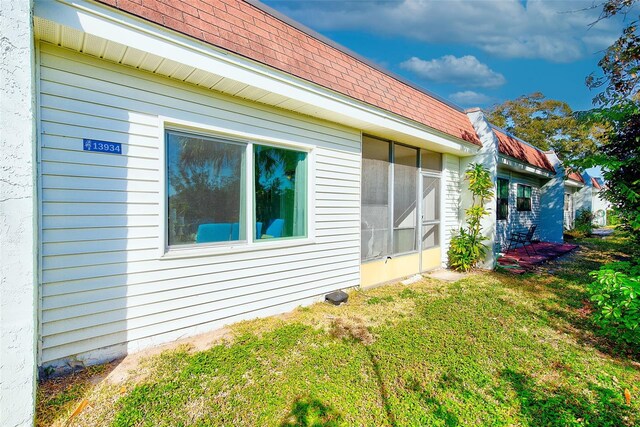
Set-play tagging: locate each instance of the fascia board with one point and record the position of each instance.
(523, 167)
(120, 27)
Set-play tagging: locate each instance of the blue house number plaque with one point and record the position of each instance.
(101, 146)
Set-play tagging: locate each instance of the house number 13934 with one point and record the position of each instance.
(102, 146)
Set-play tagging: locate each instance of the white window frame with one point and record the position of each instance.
(250, 139)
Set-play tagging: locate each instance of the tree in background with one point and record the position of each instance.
(621, 62)
(618, 152)
(546, 123)
(619, 156)
(616, 288)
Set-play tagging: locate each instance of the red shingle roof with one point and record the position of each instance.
(595, 183)
(244, 29)
(526, 153)
(575, 176)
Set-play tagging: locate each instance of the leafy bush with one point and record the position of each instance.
(467, 249)
(616, 293)
(584, 223)
(612, 217)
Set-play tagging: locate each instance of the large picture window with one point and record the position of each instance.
(503, 198)
(207, 199)
(524, 198)
(206, 188)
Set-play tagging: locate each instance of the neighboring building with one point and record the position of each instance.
(574, 183)
(584, 192)
(525, 176)
(177, 169)
(590, 198)
(528, 187)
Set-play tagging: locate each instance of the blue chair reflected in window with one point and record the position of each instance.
(275, 229)
(213, 233)
(235, 231)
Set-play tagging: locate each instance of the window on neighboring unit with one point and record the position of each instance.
(405, 199)
(502, 198)
(524, 198)
(375, 218)
(207, 199)
(280, 196)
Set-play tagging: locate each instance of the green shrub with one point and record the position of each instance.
(616, 294)
(612, 217)
(584, 223)
(466, 249)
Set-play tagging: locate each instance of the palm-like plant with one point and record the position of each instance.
(467, 249)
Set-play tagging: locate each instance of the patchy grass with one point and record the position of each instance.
(57, 398)
(491, 349)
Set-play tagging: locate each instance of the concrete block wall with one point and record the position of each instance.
(18, 289)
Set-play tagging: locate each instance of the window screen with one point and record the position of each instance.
(430, 211)
(405, 199)
(375, 220)
(431, 161)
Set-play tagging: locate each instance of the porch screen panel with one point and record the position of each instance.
(431, 162)
(430, 211)
(405, 199)
(375, 199)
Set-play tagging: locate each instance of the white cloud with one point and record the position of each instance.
(466, 71)
(469, 98)
(554, 30)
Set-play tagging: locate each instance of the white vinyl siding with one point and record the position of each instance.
(451, 178)
(518, 220)
(103, 282)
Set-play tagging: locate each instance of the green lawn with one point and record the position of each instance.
(492, 349)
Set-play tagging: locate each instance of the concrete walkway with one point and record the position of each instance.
(602, 232)
(446, 275)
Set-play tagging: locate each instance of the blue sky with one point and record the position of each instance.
(472, 52)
